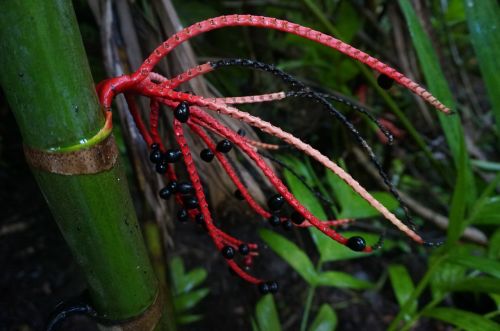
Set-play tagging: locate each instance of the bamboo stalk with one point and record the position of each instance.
(47, 82)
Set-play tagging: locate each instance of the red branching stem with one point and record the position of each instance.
(281, 25)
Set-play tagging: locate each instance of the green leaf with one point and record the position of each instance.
(476, 284)
(190, 280)
(253, 322)
(457, 210)
(267, 315)
(354, 206)
(341, 280)
(189, 318)
(494, 249)
(326, 320)
(186, 301)
(488, 212)
(439, 87)
(483, 20)
(177, 271)
(291, 253)
(462, 319)
(483, 264)
(402, 285)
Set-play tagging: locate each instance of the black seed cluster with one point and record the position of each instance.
(268, 287)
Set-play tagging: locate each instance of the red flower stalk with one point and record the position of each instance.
(193, 111)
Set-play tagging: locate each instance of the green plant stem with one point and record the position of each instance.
(405, 310)
(47, 82)
(416, 316)
(307, 307)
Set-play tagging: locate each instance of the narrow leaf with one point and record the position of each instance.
(402, 285)
(341, 280)
(291, 253)
(192, 279)
(267, 315)
(484, 26)
(483, 264)
(462, 319)
(326, 320)
(188, 300)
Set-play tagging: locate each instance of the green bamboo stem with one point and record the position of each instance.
(47, 82)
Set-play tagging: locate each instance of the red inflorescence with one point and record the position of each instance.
(192, 114)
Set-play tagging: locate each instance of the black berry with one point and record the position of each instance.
(161, 167)
(297, 218)
(227, 252)
(224, 146)
(172, 155)
(172, 186)
(276, 202)
(243, 249)
(356, 243)
(273, 287)
(207, 155)
(385, 81)
(191, 202)
(287, 225)
(182, 215)
(241, 132)
(274, 220)
(154, 146)
(155, 155)
(185, 188)
(165, 193)
(238, 195)
(181, 112)
(263, 288)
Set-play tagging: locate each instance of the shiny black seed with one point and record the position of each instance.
(199, 219)
(238, 195)
(297, 218)
(273, 287)
(227, 252)
(274, 220)
(165, 193)
(172, 186)
(154, 146)
(182, 215)
(287, 225)
(356, 243)
(181, 112)
(207, 155)
(263, 288)
(241, 132)
(172, 155)
(161, 167)
(243, 249)
(191, 202)
(185, 188)
(276, 202)
(385, 81)
(155, 155)
(224, 146)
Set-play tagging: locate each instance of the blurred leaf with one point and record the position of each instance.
(188, 300)
(291, 253)
(438, 86)
(266, 314)
(457, 209)
(349, 22)
(326, 320)
(483, 18)
(354, 206)
(455, 12)
(254, 324)
(177, 271)
(402, 286)
(462, 319)
(341, 280)
(494, 249)
(188, 318)
(488, 212)
(475, 284)
(192, 279)
(483, 264)
(447, 275)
